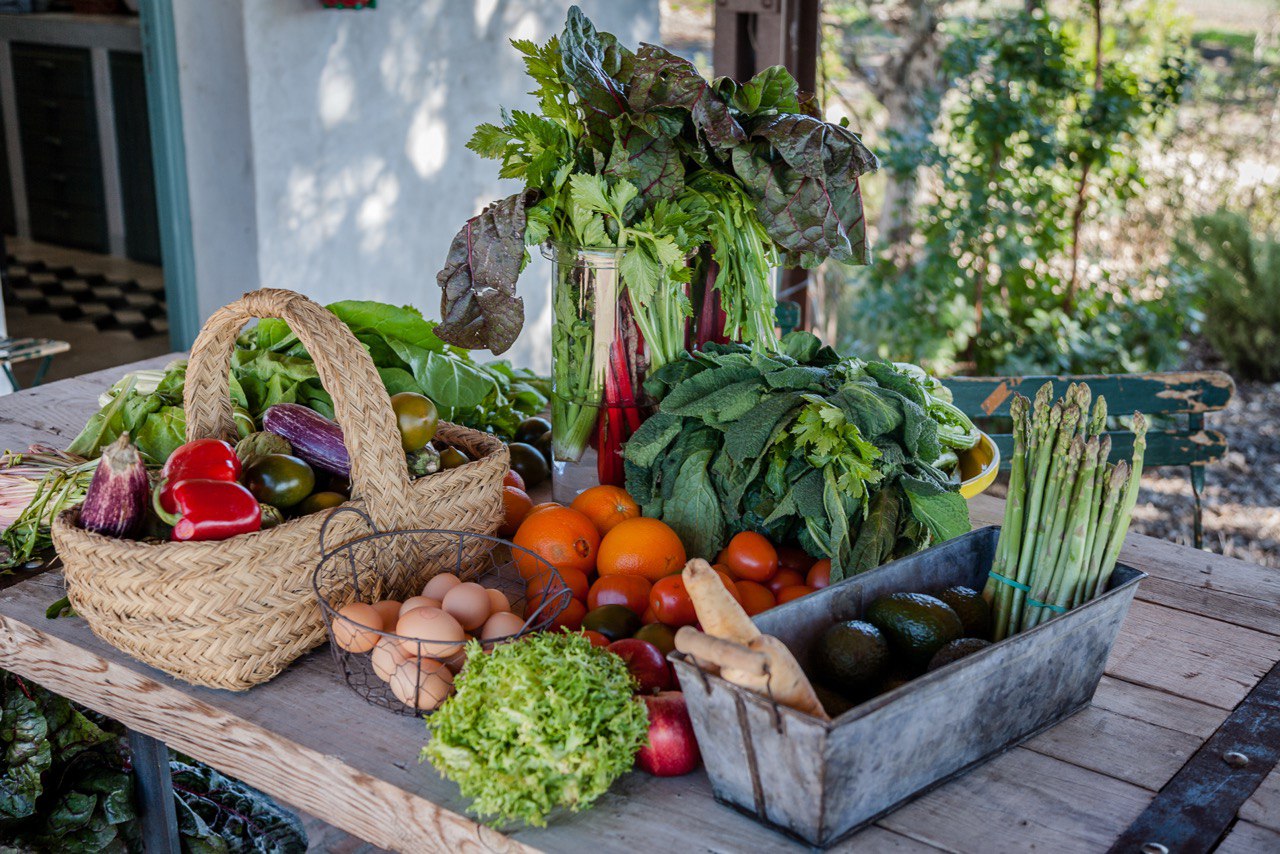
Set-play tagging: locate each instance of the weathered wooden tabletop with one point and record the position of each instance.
(1203, 632)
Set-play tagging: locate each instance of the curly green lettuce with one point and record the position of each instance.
(546, 722)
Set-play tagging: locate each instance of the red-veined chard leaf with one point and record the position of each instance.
(597, 68)
(662, 79)
(651, 163)
(479, 306)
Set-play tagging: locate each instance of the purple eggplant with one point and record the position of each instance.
(314, 438)
(118, 496)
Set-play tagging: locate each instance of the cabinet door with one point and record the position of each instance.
(61, 159)
(133, 141)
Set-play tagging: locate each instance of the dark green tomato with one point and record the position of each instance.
(417, 418)
(451, 458)
(613, 621)
(530, 429)
(243, 420)
(528, 462)
(317, 501)
(279, 480)
(543, 444)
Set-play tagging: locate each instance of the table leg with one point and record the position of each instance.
(8, 372)
(42, 370)
(155, 794)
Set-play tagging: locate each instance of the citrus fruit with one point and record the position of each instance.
(515, 506)
(606, 506)
(751, 557)
(640, 546)
(559, 535)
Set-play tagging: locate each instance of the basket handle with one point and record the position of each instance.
(379, 470)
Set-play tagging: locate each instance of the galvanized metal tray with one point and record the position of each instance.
(822, 780)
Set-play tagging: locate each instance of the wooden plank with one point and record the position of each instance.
(1164, 447)
(1142, 750)
(1264, 806)
(1176, 392)
(1167, 710)
(1249, 838)
(1022, 801)
(1190, 655)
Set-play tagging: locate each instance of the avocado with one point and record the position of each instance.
(832, 703)
(957, 650)
(971, 608)
(916, 626)
(848, 657)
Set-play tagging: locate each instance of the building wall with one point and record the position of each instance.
(357, 124)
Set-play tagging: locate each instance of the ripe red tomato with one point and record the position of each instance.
(630, 591)
(794, 557)
(784, 578)
(793, 592)
(751, 557)
(513, 478)
(596, 638)
(727, 580)
(755, 597)
(570, 618)
(819, 574)
(670, 602)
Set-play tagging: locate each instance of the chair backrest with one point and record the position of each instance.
(1189, 393)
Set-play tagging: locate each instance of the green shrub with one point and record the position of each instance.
(1237, 275)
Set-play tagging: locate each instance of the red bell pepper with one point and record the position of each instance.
(209, 509)
(202, 459)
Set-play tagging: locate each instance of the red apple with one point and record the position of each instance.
(671, 749)
(645, 662)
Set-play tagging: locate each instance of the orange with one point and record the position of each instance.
(562, 537)
(538, 508)
(640, 546)
(516, 505)
(606, 506)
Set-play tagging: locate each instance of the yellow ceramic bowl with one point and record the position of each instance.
(978, 467)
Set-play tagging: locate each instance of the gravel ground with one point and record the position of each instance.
(1242, 492)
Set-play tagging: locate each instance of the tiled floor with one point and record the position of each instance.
(97, 340)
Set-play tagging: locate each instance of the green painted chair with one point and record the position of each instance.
(1169, 396)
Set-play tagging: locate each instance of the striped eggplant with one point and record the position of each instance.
(116, 503)
(314, 438)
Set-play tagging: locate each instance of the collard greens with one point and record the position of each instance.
(801, 445)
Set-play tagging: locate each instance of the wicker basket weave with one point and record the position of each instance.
(233, 613)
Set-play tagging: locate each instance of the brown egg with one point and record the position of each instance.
(351, 625)
(435, 633)
(468, 602)
(387, 656)
(500, 625)
(390, 611)
(422, 683)
(497, 601)
(418, 602)
(440, 585)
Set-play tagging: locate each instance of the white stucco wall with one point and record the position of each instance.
(357, 123)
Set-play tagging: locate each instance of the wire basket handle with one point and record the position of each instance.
(379, 471)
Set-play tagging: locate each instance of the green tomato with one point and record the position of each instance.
(317, 501)
(417, 418)
(280, 480)
(451, 458)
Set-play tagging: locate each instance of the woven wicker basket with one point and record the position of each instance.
(233, 613)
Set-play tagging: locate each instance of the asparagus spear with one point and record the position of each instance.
(1048, 419)
(1098, 421)
(1106, 521)
(1010, 542)
(1121, 526)
(1100, 479)
(1062, 481)
(1072, 561)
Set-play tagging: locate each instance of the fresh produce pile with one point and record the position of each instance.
(35, 486)
(1067, 512)
(839, 455)
(637, 153)
(270, 366)
(209, 490)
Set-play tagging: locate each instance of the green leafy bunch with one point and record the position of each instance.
(800, 445)
(617, 156)
(542, 723)
(270, 366)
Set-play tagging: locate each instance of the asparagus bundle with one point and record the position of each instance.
(1068, 509)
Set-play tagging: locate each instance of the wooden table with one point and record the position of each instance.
(1204, 631)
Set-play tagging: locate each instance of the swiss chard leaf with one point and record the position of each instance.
(771, 90)
(648, 161)
(693, 511)
(597, 68)
(27, 753)
(662, 79)
(479, 305)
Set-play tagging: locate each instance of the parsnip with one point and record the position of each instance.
(719, 613)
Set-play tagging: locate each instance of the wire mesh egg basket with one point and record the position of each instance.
(413, 675)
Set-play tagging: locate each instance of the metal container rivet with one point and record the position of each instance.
(1154, 848)
(1235, 759)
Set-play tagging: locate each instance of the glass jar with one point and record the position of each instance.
(599, 361)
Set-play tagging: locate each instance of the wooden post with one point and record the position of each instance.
(155, 794)
(755, 34)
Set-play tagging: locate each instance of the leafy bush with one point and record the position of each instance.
(1238, 278)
